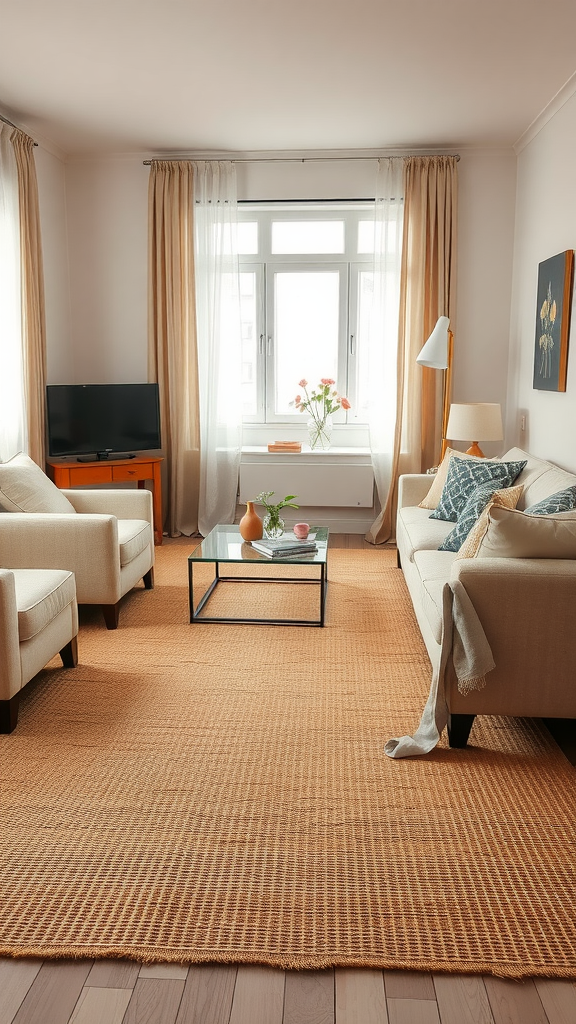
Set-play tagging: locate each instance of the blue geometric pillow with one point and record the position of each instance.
(464, 476)
(475, 505)
(562, 501)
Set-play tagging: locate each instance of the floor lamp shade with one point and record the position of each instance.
(475, 421)
(434, 353)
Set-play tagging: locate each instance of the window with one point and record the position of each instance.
(306, 287)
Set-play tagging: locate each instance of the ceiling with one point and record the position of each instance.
(168, 76)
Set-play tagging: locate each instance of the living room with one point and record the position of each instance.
(515, 210)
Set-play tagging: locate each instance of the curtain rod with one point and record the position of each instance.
(289, 159)
(12, 125)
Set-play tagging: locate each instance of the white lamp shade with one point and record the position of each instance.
(434, 352)
(475, 421)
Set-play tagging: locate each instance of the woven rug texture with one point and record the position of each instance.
(217, 792)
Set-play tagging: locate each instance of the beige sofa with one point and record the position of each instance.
(525, 606)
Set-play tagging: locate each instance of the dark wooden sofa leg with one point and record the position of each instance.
(149, 579)
(9, 713)
(398, 562)
(69, 654)
(111, 614)
(459, 727)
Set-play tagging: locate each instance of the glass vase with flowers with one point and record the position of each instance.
(273, 524)
(320, 403)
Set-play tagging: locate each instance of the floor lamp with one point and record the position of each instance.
(436, 353)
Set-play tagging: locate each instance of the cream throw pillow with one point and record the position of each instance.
(514, 534)
(508, 497)
(439, 479)
(25, 488)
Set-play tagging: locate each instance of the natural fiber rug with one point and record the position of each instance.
(220, 793)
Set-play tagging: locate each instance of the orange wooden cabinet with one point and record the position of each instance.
(77, 474)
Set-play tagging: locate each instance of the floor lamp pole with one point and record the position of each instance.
(446, 394)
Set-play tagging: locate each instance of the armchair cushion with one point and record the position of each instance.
(25, 488)
(41, 594)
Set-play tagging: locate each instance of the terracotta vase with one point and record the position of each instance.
(250, 525)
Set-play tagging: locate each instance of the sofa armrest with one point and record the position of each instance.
(10, 670)
(413, 487)
(526, 609)
(86, 545)
(124, 503)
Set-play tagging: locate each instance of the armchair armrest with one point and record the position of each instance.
(87, 545)
(412, 487)
(124, 503)
(10, 671)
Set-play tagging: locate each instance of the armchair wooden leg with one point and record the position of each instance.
(111, 614)
(69, 654)
(9, 713)
(149, 580)
(459, 727)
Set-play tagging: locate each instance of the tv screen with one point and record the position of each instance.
(102, 419)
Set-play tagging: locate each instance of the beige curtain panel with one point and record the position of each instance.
(427, 291)
(172, 345)
(33, 306)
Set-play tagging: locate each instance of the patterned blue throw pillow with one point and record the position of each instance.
(464, 475)
(562, 501)
(475, 505)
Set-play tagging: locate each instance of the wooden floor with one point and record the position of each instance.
(120, 992)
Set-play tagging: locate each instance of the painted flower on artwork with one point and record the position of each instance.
(548, 314)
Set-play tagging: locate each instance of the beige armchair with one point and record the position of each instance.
(38, 619)
(107, 542)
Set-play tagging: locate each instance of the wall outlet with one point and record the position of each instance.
(522, 423)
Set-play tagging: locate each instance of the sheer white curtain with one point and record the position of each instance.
(13, 428)
(219, 340)
(383, 369)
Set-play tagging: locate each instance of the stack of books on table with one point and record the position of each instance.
(284, 547)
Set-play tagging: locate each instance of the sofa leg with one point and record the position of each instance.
(111, 614)
(9, 713)
(398, 562)
(149, 580)
(459, 727)
(69, 654)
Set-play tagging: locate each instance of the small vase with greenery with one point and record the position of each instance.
(273, 524)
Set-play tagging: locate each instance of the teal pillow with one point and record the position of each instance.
(562, 501)
(464, 476)
(475, 505)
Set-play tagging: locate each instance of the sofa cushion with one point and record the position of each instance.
(464, 476)
(439, 479)
(41, 594)
(562, 501)
(416, 531)
(539, 478)
(434, 571)
(134, 536)
(506, 498)
(514, 534)
(25, 488)
(481, 496)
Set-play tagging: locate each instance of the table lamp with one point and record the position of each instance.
(475, 421)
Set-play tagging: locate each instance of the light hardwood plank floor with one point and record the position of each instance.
(120, 992)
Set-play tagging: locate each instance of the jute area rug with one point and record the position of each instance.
(220, 793)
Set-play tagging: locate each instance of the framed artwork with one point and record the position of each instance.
(553, 305)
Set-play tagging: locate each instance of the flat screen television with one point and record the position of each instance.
(102, 420)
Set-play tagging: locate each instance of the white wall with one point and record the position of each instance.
(545, 226)
(51, 175)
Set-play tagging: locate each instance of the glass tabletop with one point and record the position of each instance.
(224, 544)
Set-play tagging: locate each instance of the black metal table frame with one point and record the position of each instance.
(321, 581)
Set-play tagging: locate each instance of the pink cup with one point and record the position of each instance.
(301, 530)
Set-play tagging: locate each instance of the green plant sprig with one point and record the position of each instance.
(263, 499)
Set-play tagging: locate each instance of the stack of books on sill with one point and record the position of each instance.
(285, 446)
(285, 547)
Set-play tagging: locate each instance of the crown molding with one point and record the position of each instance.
(551, 108)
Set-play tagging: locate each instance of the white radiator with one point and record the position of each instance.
(318, 481)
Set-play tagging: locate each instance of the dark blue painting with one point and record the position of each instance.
(555, 277)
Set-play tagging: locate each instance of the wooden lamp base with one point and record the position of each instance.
(475, 449)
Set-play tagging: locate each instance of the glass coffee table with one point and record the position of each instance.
(224, 546)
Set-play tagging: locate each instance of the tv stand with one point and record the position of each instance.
(105, 456)
(76, 473)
